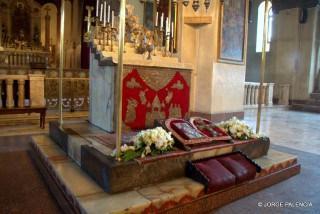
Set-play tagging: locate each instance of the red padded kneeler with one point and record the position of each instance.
(218, 177)
(218, 173)
(239, 166)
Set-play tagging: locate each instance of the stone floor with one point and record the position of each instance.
(293, 129)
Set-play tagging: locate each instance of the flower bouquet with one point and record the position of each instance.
(237, 129)
(148, 142)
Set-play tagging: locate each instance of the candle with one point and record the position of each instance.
(105, 13)
(101, 10)
(156, 21)
(112, 23)
(161, 22)
(109, 13)
(97, 9)
(172, 30)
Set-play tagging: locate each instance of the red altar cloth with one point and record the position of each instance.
(142, 104)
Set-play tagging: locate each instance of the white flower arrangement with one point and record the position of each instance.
(237, 129)
(148, 142)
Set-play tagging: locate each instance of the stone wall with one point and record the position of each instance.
(216, 87)
(293, 57)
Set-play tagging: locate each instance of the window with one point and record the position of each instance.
(260, 25)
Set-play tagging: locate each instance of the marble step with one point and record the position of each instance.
(306, 107)
(315, 96)
(87, 197)
(33, 118)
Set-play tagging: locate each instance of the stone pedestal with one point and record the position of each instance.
(283, 93)
(10, 101)
(37, 90)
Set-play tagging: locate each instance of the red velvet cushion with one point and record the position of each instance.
(239, 166)
(218, 176)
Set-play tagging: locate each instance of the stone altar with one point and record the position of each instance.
(152, 89)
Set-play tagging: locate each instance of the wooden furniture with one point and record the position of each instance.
(27, 110)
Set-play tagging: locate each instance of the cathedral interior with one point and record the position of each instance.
(159, 106)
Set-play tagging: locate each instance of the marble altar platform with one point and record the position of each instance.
(91, 148)
(176, 195)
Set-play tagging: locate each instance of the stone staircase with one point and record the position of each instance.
(311, 105)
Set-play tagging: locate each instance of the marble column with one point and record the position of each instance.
(10, 101)
(21, 84)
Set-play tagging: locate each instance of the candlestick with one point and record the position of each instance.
(97, 9)
(112, 20)
(161, 22)
(156, 21)
(105, 14)
(101, 10)
(172, 30)
(109, 13)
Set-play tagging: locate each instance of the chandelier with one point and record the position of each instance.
(195, 3)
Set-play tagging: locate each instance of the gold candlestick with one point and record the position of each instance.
(160, 42)
(167, 45)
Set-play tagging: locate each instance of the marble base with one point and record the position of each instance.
(102, 79)
(178, 195)
(91, 148)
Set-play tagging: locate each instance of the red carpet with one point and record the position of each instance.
(22, 189)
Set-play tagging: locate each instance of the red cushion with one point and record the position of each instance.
(218, 176)
(239, 166)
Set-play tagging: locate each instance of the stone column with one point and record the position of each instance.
(21, 83)
(36, 90)
(10, 101)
